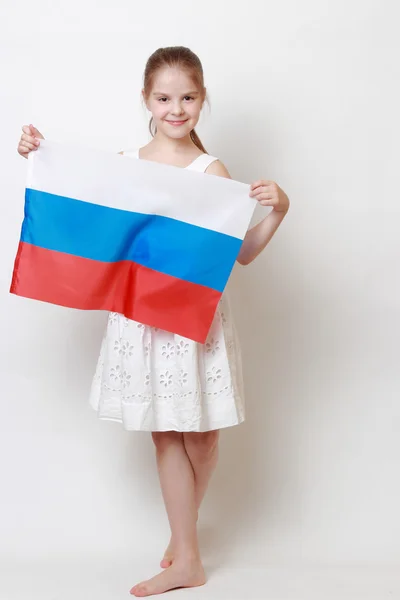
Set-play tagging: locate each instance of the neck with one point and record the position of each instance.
(163, 143)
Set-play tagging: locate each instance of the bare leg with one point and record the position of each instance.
(202, 450)
(178, 489)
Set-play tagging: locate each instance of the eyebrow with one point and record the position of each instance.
(186, 94)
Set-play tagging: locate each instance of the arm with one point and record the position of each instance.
(258, 237)
(268, 193)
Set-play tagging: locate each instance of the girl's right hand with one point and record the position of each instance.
(29, 140)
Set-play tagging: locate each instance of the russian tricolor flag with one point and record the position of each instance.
(108, 232)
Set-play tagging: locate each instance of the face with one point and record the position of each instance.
(175, 102)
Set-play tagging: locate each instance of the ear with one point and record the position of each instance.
(145, 100)
(204, 96)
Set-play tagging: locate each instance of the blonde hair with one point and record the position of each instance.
(174, 56)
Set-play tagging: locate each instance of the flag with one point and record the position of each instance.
(153, 242)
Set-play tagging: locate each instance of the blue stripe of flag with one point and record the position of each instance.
(101, 233)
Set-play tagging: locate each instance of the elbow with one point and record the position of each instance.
(242, 261)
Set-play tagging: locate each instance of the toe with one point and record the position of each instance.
(137, 590)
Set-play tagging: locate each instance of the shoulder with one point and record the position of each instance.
(218, 168)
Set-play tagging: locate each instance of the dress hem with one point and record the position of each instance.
(117, 420)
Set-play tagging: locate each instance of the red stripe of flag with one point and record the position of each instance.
(125, 287)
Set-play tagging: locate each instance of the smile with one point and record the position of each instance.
(176, 123)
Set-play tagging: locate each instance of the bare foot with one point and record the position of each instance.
(179, 574)
(168, 556)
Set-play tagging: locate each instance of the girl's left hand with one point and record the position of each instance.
(268, 193)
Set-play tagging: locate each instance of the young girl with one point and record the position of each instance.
(153, 380)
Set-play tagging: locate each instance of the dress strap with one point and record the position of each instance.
(202, 162)
(199, 164)
(131, 153)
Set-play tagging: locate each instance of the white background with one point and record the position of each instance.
(305, 94)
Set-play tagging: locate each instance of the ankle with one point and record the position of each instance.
(187, 557)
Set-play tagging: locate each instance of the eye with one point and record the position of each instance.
(161, 99)
(190, 97)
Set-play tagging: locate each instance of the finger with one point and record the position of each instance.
(30, 139)
(260, 190)
(23, 149)
(36, 132)
(260, 182)
(29, 145)
(257, 184)
(26, 129)
(265, 197)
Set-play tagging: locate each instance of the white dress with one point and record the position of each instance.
(149, 379)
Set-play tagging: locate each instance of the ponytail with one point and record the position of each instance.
(196, 141)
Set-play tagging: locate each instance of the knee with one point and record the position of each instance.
(164, 439)
(202, 445)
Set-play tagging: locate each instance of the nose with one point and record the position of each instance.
(177, 109)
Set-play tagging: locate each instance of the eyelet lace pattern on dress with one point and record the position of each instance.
(153, 380)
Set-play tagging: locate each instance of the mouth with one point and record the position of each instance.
(176, 123)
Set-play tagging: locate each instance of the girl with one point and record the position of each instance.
(152, 380)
